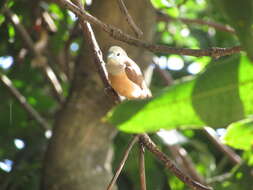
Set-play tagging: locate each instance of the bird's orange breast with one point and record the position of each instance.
(124, 86)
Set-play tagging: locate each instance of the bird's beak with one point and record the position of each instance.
(110, 56)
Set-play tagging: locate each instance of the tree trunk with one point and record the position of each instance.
(79, 153)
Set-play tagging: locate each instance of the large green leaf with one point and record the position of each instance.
(219, 96)
(240, 16)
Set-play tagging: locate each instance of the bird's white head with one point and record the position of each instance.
(116, 60)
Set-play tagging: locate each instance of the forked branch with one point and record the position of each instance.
(118, 34)
(129, 19)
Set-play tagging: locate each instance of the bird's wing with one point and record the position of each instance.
(134, 73)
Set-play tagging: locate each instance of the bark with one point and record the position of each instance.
(79, 153)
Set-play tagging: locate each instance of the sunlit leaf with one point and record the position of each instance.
(240, 134)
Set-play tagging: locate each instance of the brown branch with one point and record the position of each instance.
(150, 145)
(219, 178)
(122, 163)
(185, 162)
(129, 19)
(98, 59)
(232, 156)
(23, 102)
(121, 36)
(49, 73)
(166, 18)
(142, 166)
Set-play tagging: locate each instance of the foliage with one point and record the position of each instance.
(220, 95)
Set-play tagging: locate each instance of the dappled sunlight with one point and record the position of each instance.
(171, 137)
(20, 144)
(194, 68)
(6, 165)
(6, 62)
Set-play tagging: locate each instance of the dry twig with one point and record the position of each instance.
(232, 156)
(166, 18)
(150, 145)
(98, 59)
(185, 162)
(142, 166)
(122, 163)
(129, 19)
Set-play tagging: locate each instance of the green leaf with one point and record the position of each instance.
(240, 15)
(219, 96)
(236, 131)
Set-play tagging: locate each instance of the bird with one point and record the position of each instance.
(125, 76)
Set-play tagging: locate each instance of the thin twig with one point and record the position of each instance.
(149, 145)
(98, 59)
(165, 17)
(129, 19)
(117, 34)
(142, 166)
(50, 75)
(219, 178)
(185, 162)
(97, 53)
(22, 100)
(232, 156)
(122, 163)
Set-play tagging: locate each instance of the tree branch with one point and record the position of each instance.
(185, 162)
(142, 166)
(166, 18)
(129, 19)
(23, 102)
(150, 145)
(121, 36)
(98, 59)
(232, 156)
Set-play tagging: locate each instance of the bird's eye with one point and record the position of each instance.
(118, 54)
